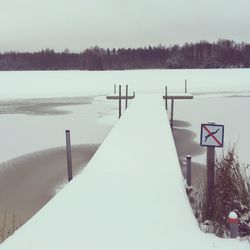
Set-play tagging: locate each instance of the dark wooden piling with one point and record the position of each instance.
(120, 101)
(69, 158)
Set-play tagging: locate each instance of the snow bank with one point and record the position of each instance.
(131, 195)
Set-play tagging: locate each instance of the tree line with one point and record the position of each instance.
(203, 54)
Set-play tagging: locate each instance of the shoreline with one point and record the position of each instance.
(186, 145)
(28, 182)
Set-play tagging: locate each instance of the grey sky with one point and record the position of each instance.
(30, 25)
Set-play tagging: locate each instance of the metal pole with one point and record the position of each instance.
(126, 100)
(172, 113)
(120, 101)
(189, 171)
(69, 159)
(210, 174)
(186, 86)
(166, 96)
(233, 224)
(114, 88)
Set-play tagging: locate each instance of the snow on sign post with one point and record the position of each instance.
(212, 135)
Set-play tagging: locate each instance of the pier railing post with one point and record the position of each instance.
(69, 159)
(119, 97)
(166, 96)
(120, 101)
(189, 170)
(172, 113)
(126, 100)
(185, 86)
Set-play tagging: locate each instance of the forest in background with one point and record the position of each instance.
(221, 54)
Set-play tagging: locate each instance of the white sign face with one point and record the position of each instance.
(212, 135)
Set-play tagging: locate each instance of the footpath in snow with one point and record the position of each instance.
(131, 196)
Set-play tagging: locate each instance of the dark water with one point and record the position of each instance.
(186, 145)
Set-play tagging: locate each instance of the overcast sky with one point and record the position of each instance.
(31, 25)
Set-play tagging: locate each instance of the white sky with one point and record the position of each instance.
(29, 25)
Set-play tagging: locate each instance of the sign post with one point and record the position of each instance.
(212, 135)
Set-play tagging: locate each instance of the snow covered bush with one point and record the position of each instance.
(231, 193)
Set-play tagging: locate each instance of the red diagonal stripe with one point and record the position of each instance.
(210, 133)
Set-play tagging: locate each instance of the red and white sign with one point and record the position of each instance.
(212, 135)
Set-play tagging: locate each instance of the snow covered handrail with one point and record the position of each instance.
(178, 96)
(115, 97)
(172, 97)
(120, 98)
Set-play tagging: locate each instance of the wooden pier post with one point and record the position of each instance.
(120, 101)
(119, 97)
(166, 96)
(185, 86)
(189, 170)
(126, 100)
(172, 113)
(69, 159)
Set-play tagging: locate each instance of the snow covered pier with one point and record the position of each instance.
(131, 196)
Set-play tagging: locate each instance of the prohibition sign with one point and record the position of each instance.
(212, 135)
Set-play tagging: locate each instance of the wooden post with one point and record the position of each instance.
(126, 100)
(166, 96)
(172, 113)
(114, 88)
(210, 175)
(120, 101)
(189, 171)
(69, 159)
(185, 86)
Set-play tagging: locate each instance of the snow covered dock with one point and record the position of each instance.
(131, 195)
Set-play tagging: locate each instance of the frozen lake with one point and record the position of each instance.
(39, 84)
(36, 124)
(37, 107)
